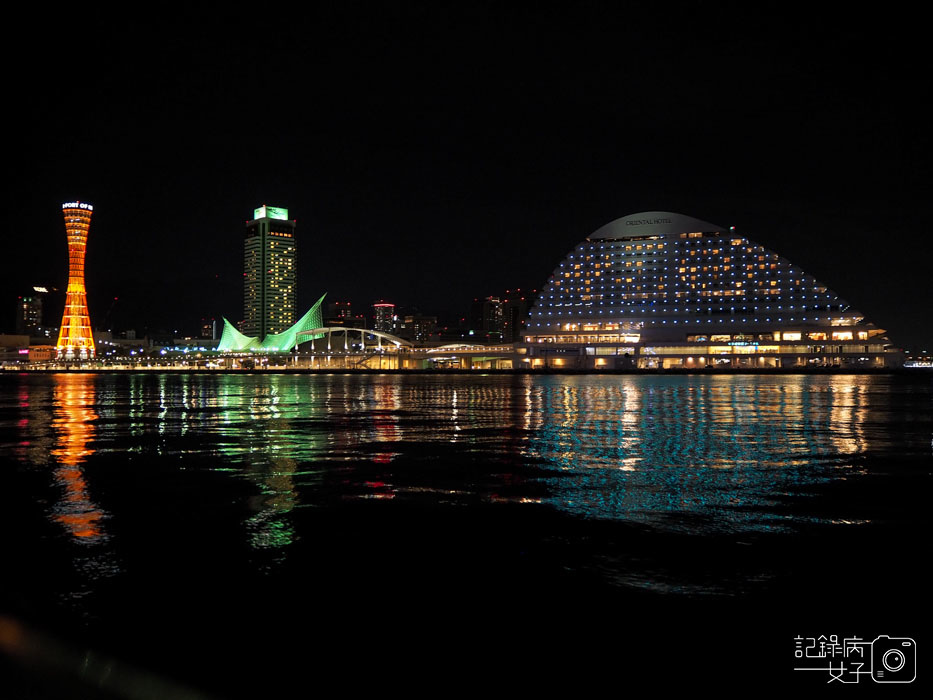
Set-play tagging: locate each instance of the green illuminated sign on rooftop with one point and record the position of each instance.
(270, 212)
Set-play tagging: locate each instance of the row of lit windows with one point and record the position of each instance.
(757, 349)
(650, 306)
(780, 335)
(680, 267)
(713, 279)
(687, 315)
(651, 299)
(653, 280)
(699, 321)
(718, 265)
(668, 297)
(738, 349)
(691, 283)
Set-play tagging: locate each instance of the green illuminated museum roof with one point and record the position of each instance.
(233, 341)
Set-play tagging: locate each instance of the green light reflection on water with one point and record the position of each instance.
(722, 450)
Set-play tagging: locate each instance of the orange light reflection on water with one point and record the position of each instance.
(73, 398)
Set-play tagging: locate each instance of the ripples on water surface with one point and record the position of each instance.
(173, 495)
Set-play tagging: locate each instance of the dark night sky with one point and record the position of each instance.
(433, 153)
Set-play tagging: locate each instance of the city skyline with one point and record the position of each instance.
(430, 168)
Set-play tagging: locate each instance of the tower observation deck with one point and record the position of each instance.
(75, 341)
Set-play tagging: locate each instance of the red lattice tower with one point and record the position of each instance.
(75, 341)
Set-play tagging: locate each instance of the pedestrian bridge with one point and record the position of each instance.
(345, 340)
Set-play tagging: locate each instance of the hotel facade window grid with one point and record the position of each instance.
(669, 290)
(270, 284)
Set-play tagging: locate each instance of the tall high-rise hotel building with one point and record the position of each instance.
(269, 273)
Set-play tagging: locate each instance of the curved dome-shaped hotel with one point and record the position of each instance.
(663, 290)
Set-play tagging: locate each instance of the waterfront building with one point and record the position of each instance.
(663, 290)
(75, 340)
(270, 271)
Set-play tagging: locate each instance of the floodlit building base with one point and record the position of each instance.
(593, 358)
(683, 358)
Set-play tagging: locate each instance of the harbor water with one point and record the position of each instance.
(240, 535)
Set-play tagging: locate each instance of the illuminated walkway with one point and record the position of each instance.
(328, 332)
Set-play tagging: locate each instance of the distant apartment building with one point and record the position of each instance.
(29, 315)
(416, 328)
(384, 317)
(515, 306)
(486, 318)
(208, 328)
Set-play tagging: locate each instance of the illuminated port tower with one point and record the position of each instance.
(75, 341)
